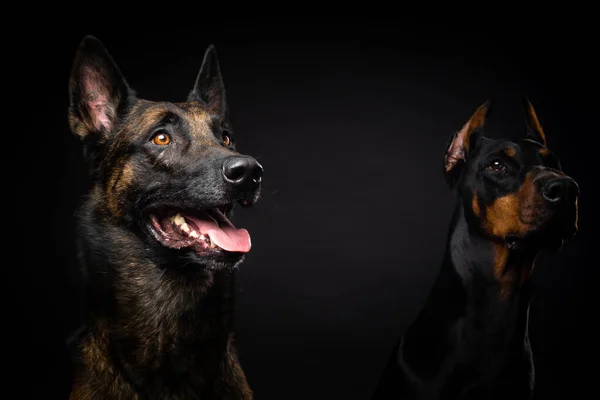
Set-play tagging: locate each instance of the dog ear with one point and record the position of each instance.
(534, 128)
(98, 92)
(463, 141)
(209, 88)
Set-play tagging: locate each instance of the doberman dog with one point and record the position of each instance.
(155, 241)
(470, 340)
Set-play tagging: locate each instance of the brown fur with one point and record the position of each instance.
(475, 205)
(515, 213)
(99, 376)
(510, 151)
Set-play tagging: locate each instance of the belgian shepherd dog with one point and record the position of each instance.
(155, 240)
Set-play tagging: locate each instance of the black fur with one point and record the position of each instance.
(159, 319)
(470, 341)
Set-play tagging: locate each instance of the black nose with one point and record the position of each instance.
(560, 190)
(242, 171)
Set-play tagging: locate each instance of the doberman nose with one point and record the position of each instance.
(240, 171)
(558, 191)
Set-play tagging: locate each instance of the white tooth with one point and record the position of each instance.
(185, 227)
(212, 245)
(179, 220)
(203, 237)
(193, 234)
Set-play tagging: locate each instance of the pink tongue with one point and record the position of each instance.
(225, 236)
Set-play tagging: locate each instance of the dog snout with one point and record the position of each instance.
(242, 172)
(560, 191)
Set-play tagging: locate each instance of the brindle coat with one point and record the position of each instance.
(158, 320)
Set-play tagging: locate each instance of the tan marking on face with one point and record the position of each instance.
(516, 213)
(502, 217)
(200, 123)
(510, 151)
(118, 184)
(475, 205)
(199, 119)
(544, 152)
(143, 121)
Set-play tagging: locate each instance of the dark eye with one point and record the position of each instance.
(497, 165)
(161, 138)
(226, 138)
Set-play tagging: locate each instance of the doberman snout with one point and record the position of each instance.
(242, 172)
(560, 191)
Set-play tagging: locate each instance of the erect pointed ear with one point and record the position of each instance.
(463, 141)
(98, 91)
(534, 128)
(209, 88)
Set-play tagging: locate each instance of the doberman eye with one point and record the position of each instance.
(497, 165)
(161, 138)
(226, 138)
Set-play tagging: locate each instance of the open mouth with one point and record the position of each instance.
(206, 231)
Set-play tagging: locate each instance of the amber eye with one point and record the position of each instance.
(226, 138)
(161, 139)
(497, 165)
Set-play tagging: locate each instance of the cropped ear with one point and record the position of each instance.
(534, 128)
(464, 141)
(98, 91)
(209, 88)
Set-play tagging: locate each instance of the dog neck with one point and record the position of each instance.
(477, 311)
(493, 274)
(149, 320)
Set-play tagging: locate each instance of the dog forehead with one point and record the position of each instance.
(524, 151)
(492, 148)
(536, 154)
(532, 146)
(144, 115)
(198, 117)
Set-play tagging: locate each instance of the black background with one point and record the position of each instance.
(351, 128)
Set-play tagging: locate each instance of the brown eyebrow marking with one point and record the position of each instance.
(510, 151)
(475, 205)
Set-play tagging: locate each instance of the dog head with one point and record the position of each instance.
(167, 171)
(513, 191)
